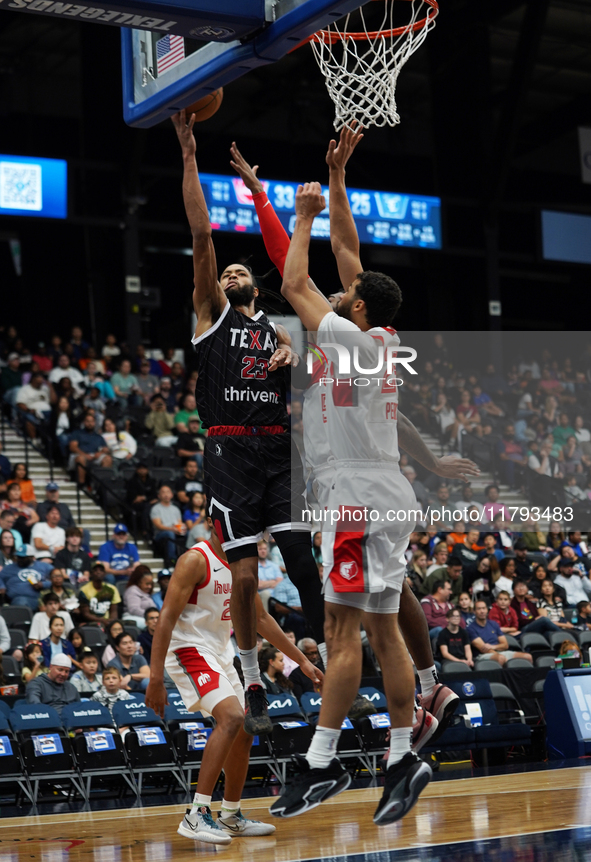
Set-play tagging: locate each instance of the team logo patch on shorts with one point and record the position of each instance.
(218, 449)
(204, 678)
(348, 570)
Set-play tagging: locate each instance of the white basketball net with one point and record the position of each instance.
(361, 74)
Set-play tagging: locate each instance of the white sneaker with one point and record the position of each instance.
(199, 825)
(237, 824)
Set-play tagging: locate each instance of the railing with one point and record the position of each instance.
(13, 417)
(120, 501)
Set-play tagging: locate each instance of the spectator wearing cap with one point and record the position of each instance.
(575, 583)
(64, 369)
(167, 394)
(164, 576)
(24, 579)
(53, 688)
(451, 572)
(98, 600)
(523, 568)
(73, 562)
(145, 637)
(52, 498)
(188, 410)
(11, 379)
(47, 538)
(119, 556)
(7, 521)
(88, 447)
(160, 422)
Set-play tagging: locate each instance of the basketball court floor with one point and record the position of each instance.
(538, 815)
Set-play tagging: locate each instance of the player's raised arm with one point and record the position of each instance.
(190, 571)
(343, 233)
(208, 296)
(275, 236)
(310, 306)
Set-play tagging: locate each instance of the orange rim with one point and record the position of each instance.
(327, 36)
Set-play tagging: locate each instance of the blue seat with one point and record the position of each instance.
(4, 709)
(128, 713)
(86, 714)
(311, 702)
(45, 747)
(12, 770)
(376, 697)
(282, 705)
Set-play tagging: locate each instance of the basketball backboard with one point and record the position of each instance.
(163, 73)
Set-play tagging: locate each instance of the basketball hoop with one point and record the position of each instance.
(361, 68)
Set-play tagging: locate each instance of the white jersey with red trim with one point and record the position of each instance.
(205, 621)
(359, 410)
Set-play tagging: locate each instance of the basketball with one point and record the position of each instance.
(206, 107)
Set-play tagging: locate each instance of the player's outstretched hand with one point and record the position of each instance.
(338, 155)
(282, 356)
(312, 672)
(184, 131)
(156, 697)
(450, 467)
(247, 173)
(309, 200)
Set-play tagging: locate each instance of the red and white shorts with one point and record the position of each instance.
(363, 551)
(203, 680)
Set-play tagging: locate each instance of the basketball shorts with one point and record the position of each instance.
(373, 509)
(250, 483)
(203, 680)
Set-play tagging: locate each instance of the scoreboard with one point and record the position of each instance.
(383, 218)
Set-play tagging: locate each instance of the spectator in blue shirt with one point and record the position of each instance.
(25, 579)
(164, 576)
(488, 640)
(119, 556)
(88, 447)
(269, 574)
(289, 605)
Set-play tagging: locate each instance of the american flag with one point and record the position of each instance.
(170, 50)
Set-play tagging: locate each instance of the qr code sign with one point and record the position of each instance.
(20, 186)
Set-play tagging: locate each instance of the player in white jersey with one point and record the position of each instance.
(192, 641)
(366, 556)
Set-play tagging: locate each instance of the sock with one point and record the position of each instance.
(323, 653)
(201, 799)
(229, 808)
(323, 747)
(250, 666)
(428, 679)
(400, 739)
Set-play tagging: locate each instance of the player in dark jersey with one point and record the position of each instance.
(240, 395)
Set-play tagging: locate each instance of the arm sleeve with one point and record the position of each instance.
(274, 234)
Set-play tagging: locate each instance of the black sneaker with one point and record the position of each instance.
(361, 706)
(310, 787)
(405, 781)
(256, 719)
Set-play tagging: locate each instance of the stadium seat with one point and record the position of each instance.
(514, 663)
(544, 661)
(508, 707)
(18, 639)
(514, 643)
(130, 629)
(4, 710)
(373, 730)
(99, 753)
(45, 746)
(11, 671)
(534, 642)
(455, 667)
(291, 732)
(311, 703)
(147, 742)
(12, 770)
(93, 636)
(162, 475)
(585, 639)
(13, 615)
(376, 698)
(556, 638)
(487, 665)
